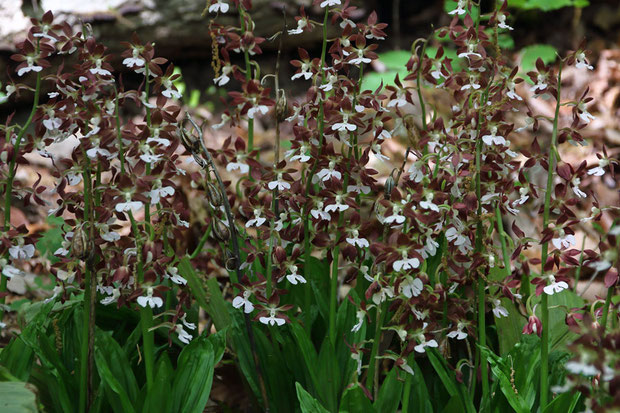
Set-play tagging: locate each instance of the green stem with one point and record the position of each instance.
(484, 374)
(373, 362)
(502, 239)
(606, 306)
(146, 314)
(321, 124)
(248, 77)
(86, 348)
(578, 271)
(148, 339)
(544, 342)
(406, 394)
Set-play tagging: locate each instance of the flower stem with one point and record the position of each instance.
(606, 306)
(544, 342)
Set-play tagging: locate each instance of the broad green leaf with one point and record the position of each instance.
(17, 359)
(355, 401)
(530, 54)
(390, 392)
(502, 372)
(420, 399)
(51, 239)
(155, 400)
(307, 403)
(564, 403)
(115, 370)
(546, 5)
(395, 59)
(452, 386)
(509, 329)
(194, 376)
(305, 346)
(210, 299)
(17, 397)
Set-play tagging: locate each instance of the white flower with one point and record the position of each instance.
(319, 213)
(218, 6)
(149, 300)
(9, 271)
(428, 202)
(383, 294)
(156, 193)
(257, 221)
(360, 321)
(301, 23)
(112, 298)
(598, 170)
(355, 240)
(399, 100)
(459, 334)
(326, 174)
(331, 79)
(420, 348)
(564, 241)
(555, 287)
(584, 115)
(293, 277)
(272, 319)
(170, 93)
(184, 336)
(260, 109)
(493, 138)
(150, 158)
(21, 251)
(501, 20)
(279, 183)
(511, 91)
(580, 61)
(344, 125)
(97, 70)
(411, 287)
(242, 167)
(134, 60)
(585, 369)
(57, 290)
(406, 367)
(460, 8)
(575, 187)
(173, 275)
(129, 205)
(64, 246)
(30, 68)
(498, 310)
(452, 234)
(415, 174)
(360, 58)
(186, 323)
(300, 156)
(244, 301)
(52, 123)
(306, 71)
(541, 83)
(472, 84)
(406, 263)
(330, 3)
(360, 189)
(339, 205)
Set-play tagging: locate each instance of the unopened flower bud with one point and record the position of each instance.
(214, 195)
(281, 107)
(389, 186)
(79, 243)
(220, 230)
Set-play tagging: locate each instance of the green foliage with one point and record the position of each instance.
(530, 54)
(546, 5)
(394, 61)
(17, 397)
